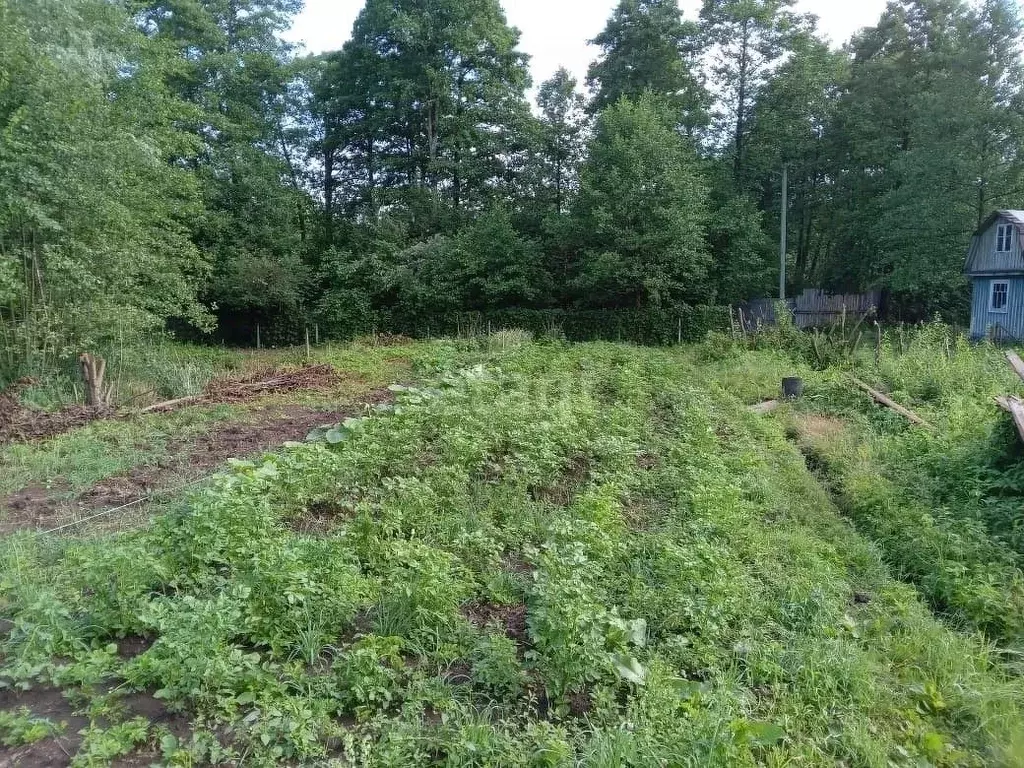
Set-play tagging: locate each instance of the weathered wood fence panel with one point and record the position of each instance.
(813, 308)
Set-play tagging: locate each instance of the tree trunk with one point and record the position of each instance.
(329, 196)
(741, 99)
(93, 371)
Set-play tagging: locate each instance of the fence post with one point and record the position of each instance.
(258, 341)
(308, 354)
(680, 334)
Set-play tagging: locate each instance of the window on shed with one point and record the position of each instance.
(1000, 296)
(1004, 238)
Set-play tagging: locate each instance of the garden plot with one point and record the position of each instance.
(566, 555)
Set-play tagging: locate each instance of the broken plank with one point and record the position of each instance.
(891, 404)
(766, 407)
(1015, 407)
(1014, 360)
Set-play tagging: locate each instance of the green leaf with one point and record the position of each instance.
(764, 734)
(629, 669)
(336, 435)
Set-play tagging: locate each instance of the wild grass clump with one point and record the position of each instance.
(508, 339)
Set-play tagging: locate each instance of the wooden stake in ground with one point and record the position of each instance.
(888, 402)
(1014, 406)
(93, 371)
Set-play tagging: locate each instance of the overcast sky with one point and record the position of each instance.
(555, 32)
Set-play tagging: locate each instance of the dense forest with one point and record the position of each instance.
(175, 164)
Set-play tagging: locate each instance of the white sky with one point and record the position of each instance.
(554, 32)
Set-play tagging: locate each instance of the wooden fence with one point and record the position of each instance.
(814, 308)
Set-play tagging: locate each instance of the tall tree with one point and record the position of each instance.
(646, 47)
(233, 66)
(746, 38)
(928, 138)
(641, 214)
(430, 101)
(790, 127)
(562, 124)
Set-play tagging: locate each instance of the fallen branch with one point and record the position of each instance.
(766, 407)
(1014, 360)
(193, 400)
(888, 402)
(1014, 406)
(233, 390)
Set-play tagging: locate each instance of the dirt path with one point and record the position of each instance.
(38, 508)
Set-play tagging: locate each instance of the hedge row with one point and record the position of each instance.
(650, 327)
(647, 327)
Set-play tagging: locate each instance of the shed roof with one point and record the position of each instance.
(1015, 217)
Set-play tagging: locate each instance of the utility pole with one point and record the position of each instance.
(782, 238)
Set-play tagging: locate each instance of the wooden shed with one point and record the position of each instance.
(995, 266)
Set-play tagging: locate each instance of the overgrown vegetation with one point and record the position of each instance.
(943, 504)
(560, 555)
(174, 164)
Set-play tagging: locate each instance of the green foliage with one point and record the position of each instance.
(646, 48)
(20, 726)
(689, 591)
(641, 215)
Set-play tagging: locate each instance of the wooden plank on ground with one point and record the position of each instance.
(1015, 407)
(766, 407)
(1014, 360)
(888, 402)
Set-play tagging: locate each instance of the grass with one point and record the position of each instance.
(565, 555)
(68, 464)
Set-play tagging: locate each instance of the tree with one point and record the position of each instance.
(230, 62)
(928, 137)
(746, 38)
(790, 127)
(641, 214)
(562, 123)
(96, 199)
(646, 47)
(499, 267)
(429, 105)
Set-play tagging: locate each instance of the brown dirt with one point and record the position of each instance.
(510, 618)
(321, 518)
(132, 646)
(812, 427)
(647, 461)
(51, 704)
(58, 751)
(264, 380)
(563, 492)
(39, 508)
(19, 423)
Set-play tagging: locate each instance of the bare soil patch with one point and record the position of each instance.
(51, 704)
(40, 508)
(510, 618)
(563, 492)
(20, 423)
(813, 427)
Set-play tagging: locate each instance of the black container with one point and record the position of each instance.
(792, 388)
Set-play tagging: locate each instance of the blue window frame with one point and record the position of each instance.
(999, 296)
